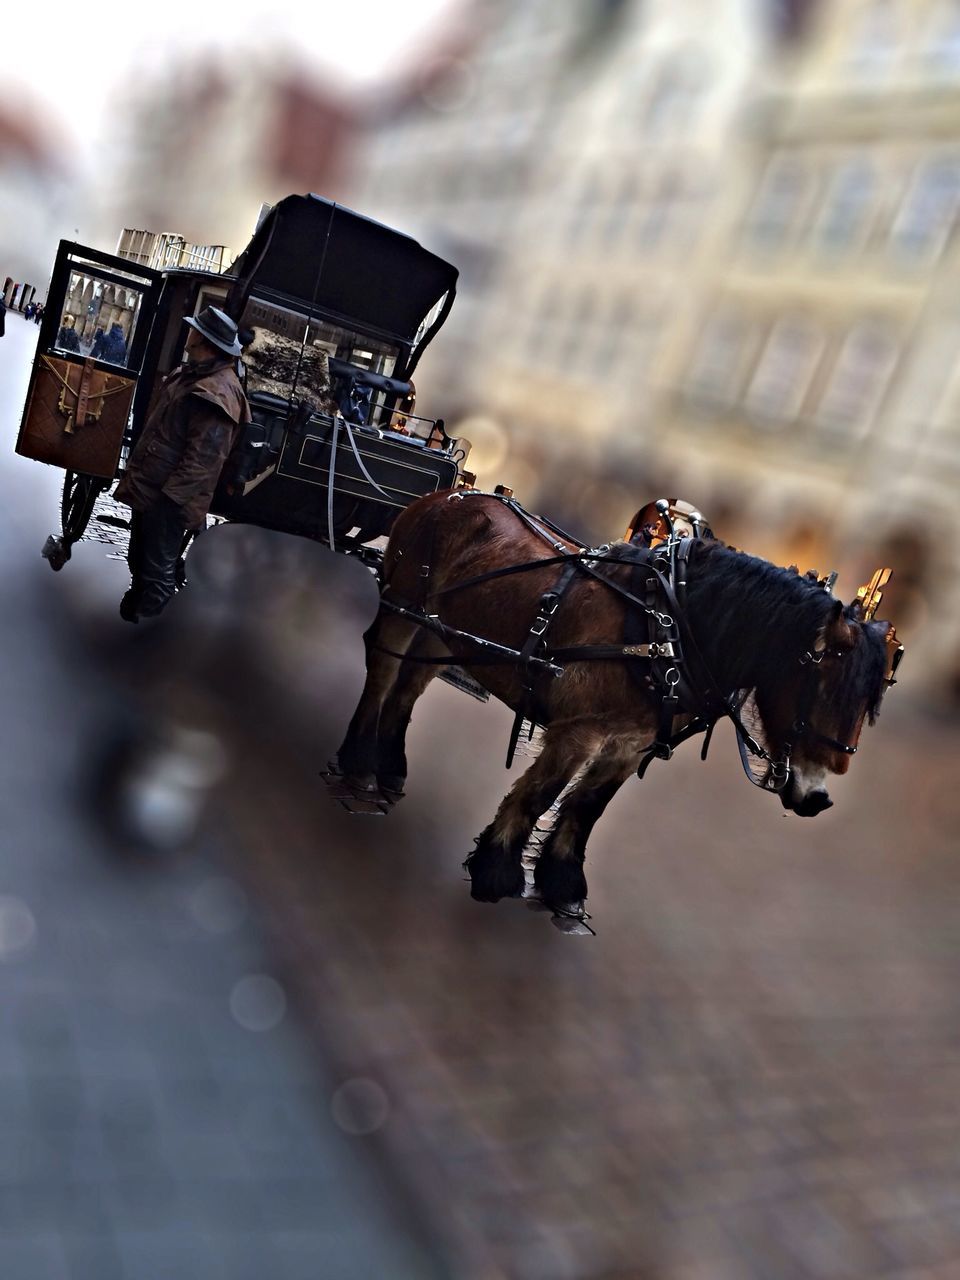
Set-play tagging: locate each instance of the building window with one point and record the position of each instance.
(622, 335)
(846, 211)
(859, 379)
(941, 49)
(781, 200)
(877, 41)
(675, 94)
(716, 371)
(929, 211)
(784, 372)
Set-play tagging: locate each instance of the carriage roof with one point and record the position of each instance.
(331, 259)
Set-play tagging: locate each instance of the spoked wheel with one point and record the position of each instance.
(80, 492)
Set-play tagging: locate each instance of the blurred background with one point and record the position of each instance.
(703, 254)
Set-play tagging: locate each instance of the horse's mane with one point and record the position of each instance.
(753, 616)
(752, 620)
(758, 617)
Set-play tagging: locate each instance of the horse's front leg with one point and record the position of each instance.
(386, 641)
(558, 874)
(495, 866)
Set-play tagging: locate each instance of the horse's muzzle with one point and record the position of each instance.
(813, 802)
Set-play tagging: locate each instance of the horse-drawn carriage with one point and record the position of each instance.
(620, 653)
(341, 310)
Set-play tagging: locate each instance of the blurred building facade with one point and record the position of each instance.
(34, 188)
(719, 259)
(202, 151)
(574, 163)
(819, 384)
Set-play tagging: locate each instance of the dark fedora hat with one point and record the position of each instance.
(218, 329)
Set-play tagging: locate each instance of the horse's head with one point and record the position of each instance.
(812, 722)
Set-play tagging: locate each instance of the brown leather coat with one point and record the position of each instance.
(186, 440)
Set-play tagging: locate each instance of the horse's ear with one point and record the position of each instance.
(838, 633)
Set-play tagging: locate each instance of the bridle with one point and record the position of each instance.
(778, 773)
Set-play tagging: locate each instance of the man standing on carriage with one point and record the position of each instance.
(176, 463)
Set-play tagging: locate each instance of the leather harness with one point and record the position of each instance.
(657, 632)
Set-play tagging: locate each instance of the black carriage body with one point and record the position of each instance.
(327, 290)
(317, 277)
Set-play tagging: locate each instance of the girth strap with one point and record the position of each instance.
(536, 639)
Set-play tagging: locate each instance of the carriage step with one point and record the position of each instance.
(373, 804)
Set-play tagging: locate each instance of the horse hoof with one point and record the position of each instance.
(391, 784)
(571, 918)
(363, 784)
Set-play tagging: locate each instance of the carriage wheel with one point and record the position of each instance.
(80, 492)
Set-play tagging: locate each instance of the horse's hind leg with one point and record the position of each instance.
(411, 681)
(359, 754)
(495, 866)
(558, 874)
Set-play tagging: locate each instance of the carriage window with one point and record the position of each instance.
(98, 319)
(289, 355)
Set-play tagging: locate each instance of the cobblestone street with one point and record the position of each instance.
(750, 1073)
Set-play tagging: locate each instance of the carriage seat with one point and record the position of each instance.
(354, 388)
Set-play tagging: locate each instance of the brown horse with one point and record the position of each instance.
(756, 627)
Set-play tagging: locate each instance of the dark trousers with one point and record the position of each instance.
(156, 541)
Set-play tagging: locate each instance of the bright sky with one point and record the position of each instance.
(72, 56)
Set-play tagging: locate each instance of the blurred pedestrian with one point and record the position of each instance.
(176, 463)
(97, 348)
(28, 311)
(38, 313)
(114, 347)
(67, 338)
(3, 317)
